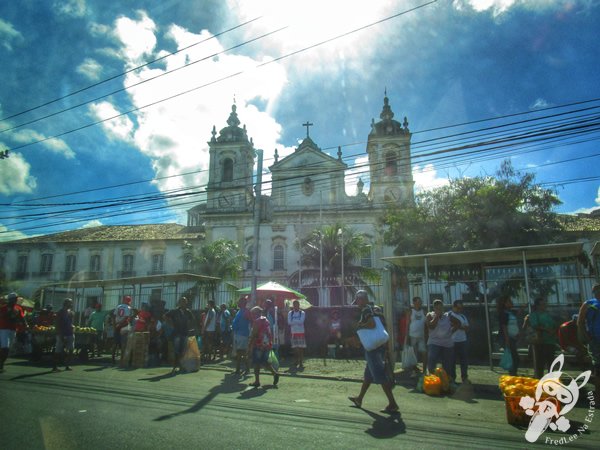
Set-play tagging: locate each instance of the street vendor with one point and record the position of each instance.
(11, 317)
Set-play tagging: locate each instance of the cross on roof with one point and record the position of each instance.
(307, 124)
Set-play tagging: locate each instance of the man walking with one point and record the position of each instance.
(260, 344)
(375, 370)
(65, 341)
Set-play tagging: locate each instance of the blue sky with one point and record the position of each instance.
(442, 63)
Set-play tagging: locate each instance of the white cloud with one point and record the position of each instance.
(14, 175)
(118, 128)
(539, 103)
(92, 224)
(6, 235)
(174, 133)
(426, 178)
(56, 145)
(90, 68)
(8, 35)
(71, 8)
(137, 37)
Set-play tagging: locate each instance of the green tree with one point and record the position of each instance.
(328, 241)
(476, 213)
(221, 259)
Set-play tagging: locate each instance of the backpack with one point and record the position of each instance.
(592, 318)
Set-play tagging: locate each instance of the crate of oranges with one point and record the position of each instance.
(514, 388)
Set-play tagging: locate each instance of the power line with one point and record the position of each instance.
(119, 75)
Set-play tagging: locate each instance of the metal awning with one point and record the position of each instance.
(489, 256)
(149, 279)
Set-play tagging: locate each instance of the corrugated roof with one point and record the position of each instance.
(166, 231)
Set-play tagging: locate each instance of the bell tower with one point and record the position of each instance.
(390, 168)
(231, 167)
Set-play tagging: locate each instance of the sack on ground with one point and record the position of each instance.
(190, 361)
(409, 359)
(506, 361)
(372, 338)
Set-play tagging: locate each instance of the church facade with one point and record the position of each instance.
(307, 191)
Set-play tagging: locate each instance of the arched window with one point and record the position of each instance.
(228, 169)
(391, 164)
(278, 257)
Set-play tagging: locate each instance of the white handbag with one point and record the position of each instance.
(372, 338)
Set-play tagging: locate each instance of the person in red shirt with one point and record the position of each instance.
(260, 344)
(12, 316)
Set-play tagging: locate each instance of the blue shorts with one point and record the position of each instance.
(260, 357)
(375, 370)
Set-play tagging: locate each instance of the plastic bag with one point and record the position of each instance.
(190, 361)
(409, 359)
(506, 361)
(372, 338)
(420, 383)
(273, 360)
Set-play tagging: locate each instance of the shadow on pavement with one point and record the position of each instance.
(385, 426)
(230, 384)
(31, 375)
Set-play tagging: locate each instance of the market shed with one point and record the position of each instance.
(142, 289)
(559, 272)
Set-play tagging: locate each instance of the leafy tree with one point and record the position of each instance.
(476, 213)
(328, 241)
(221, 259)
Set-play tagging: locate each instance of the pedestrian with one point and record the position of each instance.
(12, 315)
(241, 331)
(459, 337)
(296, 319)
(209, 328)
(122, 318)
(65, 339)
(588, 325)
(544, 339)
(375, 371)
(260, 344)
(416, 331)
(225, 332)
(508, 330)
(96, 321)
(182, 323)
(335, 331)
(440, 346)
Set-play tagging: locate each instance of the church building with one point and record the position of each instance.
(307, 191)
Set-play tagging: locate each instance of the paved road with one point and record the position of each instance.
(97, 407)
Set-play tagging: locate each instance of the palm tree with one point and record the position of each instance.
(221, 259)
(330, 242)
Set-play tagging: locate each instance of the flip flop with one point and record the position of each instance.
(390, 410)
(354, 400)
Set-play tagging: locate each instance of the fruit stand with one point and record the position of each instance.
(514, 389)
(43, 339)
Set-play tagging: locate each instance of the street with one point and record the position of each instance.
(97, 406)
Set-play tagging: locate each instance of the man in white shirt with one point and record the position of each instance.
(209, 330)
